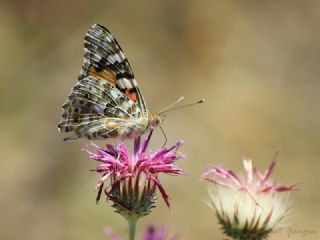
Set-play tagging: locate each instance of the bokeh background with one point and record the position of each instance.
(255, 62)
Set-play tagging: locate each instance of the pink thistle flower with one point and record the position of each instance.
(151, 233)
(134, 178)
(249, 207)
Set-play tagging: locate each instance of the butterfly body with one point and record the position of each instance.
(106, 101)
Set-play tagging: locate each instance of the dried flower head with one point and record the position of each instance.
(250, 207)
(134, 179)
(151, 233)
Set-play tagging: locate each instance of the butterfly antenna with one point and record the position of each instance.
(171, 108)
(171, 105)
(165, 136)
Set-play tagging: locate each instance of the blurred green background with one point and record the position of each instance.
(255, 62)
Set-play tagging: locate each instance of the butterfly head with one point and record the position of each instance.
(154, 119)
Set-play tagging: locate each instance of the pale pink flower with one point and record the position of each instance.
(254, 183)
(247, 207)
(133, 179)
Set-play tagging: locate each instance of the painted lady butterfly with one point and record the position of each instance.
(106, 101)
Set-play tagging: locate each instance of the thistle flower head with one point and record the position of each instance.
(249, 207)
(133, 179)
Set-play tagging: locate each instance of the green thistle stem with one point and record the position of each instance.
(132, 228)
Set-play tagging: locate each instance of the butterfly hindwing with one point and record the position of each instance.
(93, 102)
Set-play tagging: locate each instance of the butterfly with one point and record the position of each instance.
(106, 101)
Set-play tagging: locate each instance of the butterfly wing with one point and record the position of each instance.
(95, 107)
(104, 59)
(106, 97)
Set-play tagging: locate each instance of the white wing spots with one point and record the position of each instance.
(122, 55)
(96, 57)
(125, 106)
(113, 58)
(86, 61)
(114, 94)
(109, 38)
(135, 82)
(125, 83)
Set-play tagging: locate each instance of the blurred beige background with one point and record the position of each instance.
(255, 62)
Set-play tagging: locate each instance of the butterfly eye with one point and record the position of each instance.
(157, 121)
